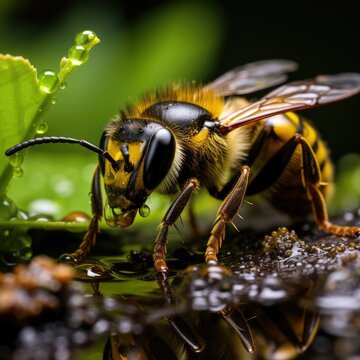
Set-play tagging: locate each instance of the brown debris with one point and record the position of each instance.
(32, 289)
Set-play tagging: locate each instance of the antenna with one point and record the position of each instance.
(61, 139)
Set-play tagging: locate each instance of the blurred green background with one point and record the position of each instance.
(148, 43)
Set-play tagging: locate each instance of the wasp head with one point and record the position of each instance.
(144, 153)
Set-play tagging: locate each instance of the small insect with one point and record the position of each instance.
(183, 137)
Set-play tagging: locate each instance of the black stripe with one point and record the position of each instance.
(258, 144)
(272, 170)
(315, 145)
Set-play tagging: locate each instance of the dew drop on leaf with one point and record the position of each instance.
(78, 55)
(86, 38)
(7, 209)
(18, 171)
(48, 81)
(16, 160)
(15, 247)
(41, 127)
(144, 211)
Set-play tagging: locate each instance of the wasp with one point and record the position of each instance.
(186, 136)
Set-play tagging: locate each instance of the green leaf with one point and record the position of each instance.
(20, 101)
(25, 96)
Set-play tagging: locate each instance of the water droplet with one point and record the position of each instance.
(6, 233)
(41, 127)
(63, 85)
(16, 247)
(77, 216)
(18, 171)
(22, 241)
(16, 160)
(53, 101)
(67, 258)
(144, 211)
(48, 81)
(21, 215)
(86, 38)
(78, 55)
(93, 272)
(41, 218)
(7, 209)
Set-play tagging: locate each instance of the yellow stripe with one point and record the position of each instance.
(285, 125)
(293, 117)
(322, 153)
(327, 171)
(310, 133)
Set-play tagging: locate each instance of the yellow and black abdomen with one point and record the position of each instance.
(277, 164)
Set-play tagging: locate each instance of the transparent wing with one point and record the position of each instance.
(296, 95)
(251, 77)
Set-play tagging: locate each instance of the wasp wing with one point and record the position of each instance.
(294, 96)
(252, 77)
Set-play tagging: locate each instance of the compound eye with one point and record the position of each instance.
(158, 158)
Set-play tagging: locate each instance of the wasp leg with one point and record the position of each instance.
(312, 182)
(169, 219)
(226, 212)
(186, 333)
(96, 208)
(311, 321)
(235, 318)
